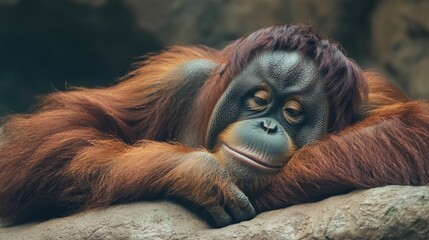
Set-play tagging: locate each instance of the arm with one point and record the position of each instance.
(105, 172)
(89, 148)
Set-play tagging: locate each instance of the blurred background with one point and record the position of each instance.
(47, 45)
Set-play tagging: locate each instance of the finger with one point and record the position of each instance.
(220, 216)
(239, 206)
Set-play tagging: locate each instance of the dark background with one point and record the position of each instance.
(47, 45)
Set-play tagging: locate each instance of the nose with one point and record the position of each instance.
(269, 126)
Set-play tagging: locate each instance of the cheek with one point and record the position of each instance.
(311, 132)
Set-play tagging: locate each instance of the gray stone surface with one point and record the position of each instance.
(216, 22)
(400, 43)
(391, 212)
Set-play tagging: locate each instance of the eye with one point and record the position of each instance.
(259, 100)
(293, 112)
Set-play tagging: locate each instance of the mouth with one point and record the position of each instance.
(250, 159)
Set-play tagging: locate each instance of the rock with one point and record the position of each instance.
(393, 212)
(213, 23)
(216, 22)
(400, 36)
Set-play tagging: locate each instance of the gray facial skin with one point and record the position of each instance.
(288, 76)
(262, 140)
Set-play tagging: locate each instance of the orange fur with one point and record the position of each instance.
(89, 148)
(81, 149)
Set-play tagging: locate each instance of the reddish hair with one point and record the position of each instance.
(344, 82)
(90, 148)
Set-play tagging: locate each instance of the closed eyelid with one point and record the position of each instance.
(293, 104)
(263, 94)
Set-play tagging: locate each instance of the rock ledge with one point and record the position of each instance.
(393, 212)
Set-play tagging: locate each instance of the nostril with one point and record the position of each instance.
(269, 126)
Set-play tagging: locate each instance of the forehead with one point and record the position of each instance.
(286, 69)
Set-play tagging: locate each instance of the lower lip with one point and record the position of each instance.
(249, 161)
